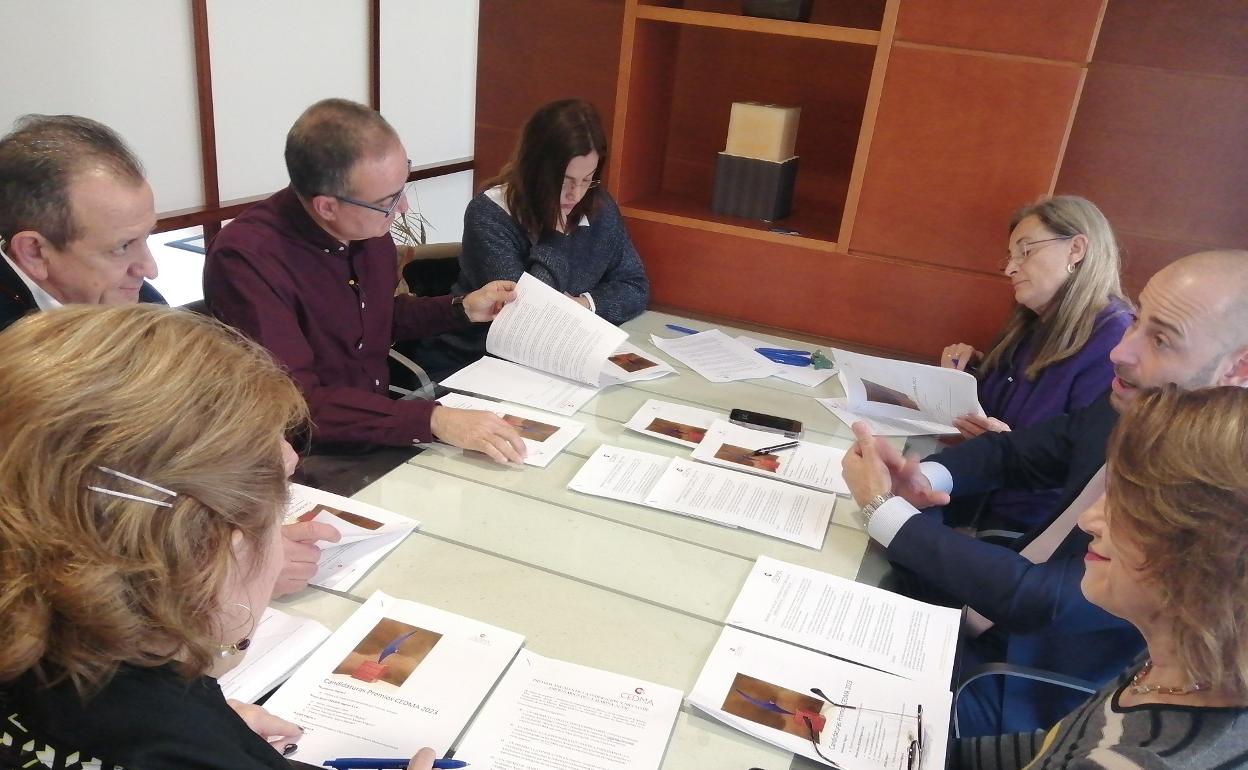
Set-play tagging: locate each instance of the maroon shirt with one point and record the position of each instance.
(327, 312)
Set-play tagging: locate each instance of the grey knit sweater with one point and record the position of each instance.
(597, 257)
(1100, 735)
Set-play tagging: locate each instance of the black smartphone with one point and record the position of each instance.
(767, 422)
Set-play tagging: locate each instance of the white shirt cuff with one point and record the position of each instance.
(938, 476)
(592, 307)
(889, 518)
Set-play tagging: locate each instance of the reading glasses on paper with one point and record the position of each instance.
(914, 753)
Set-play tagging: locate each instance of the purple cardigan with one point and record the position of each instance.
(1008, 395)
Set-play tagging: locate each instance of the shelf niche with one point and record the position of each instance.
(681, 85)
(861, 14)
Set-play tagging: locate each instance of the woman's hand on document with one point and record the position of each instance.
(477, 430)
(972, 425)
(423, 760)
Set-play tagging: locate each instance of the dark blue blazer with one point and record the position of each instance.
(16, 300)
(1038, 608)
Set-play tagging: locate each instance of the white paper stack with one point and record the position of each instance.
(808, 464)
(395, 677)
(368, 534)
(544, 434)
(279, 644)
(547, 713)
(715, 494)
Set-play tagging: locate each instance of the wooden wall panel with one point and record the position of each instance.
(1048, 29)
(1158, 140)
(1163, 153)
(909, 308)
(535, 51)
(961, 141)
(1210, 36)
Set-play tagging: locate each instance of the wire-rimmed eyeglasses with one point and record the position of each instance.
(1025, 250)
(571, 184)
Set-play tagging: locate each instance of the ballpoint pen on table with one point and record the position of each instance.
(785, 357)
(381, 763)
(681, 329)
(788, 357)
(777, 448)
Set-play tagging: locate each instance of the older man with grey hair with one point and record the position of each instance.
(75, 214)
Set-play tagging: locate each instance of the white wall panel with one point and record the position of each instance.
(442, 200)
(429, 75)
(126, 63)
(270, 61)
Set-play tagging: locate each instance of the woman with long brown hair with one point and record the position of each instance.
(547, 214)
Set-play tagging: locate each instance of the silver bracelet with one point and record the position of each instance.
(872, 506)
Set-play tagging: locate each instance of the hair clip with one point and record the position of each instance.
(133, 480)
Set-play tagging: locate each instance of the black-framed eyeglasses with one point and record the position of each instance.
(385, 206)
(914, 754)
(1025, 250)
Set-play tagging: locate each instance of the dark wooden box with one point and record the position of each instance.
(753, 188)
(788, 10)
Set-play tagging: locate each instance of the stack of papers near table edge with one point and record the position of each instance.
(547, 713)
(806, 464)
(396, 676)
(706, 492)
(367, 533)
(859, 645)
(545, 435)
(279, 644)
(674, 423)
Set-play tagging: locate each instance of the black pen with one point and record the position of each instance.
(777, 448)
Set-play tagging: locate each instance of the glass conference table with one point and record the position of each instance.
(602, 583)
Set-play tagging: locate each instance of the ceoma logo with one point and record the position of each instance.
(638, 695)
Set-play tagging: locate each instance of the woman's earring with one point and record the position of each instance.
(1070, 269)
(230, 650)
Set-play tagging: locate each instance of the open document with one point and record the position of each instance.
(677, 423)
(569, 352)
(826, 709)
(705, 492)
(544, 435)
(857, 622)
(394, 677)
(808, 464)
(368, 534)
(630, 363)
(279, 644)
(716, 356)
(926, 398)
(546, 713)
(518, 384)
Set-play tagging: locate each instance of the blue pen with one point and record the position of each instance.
(380, 763)
(784, 351)
(682, 329)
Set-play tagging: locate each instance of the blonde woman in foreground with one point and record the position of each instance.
(143, 471)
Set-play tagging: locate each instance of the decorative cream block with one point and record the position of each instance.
(763, 131)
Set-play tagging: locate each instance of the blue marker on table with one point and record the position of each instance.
(381, 763)
(681, 329)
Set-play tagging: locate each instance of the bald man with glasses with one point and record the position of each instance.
(310, 273)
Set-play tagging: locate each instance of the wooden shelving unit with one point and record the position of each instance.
(764, 26)
(682, 65)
